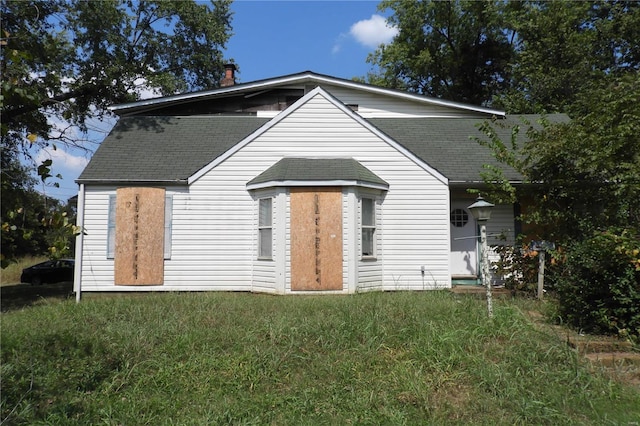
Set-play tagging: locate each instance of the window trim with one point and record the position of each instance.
(263, 227)
(372, 227)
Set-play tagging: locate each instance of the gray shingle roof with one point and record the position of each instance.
(165, 149)
(446, 145)
(318, 169)
(171, 149)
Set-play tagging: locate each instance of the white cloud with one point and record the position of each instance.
(63, 160)
(373, 32)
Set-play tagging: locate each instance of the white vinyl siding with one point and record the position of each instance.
(416, 216)
(214, 221)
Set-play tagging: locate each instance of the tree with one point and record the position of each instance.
(457, 50)
(22, 210)
(586, 199)
(562, 48)
(71, 59)
(587, 170)
(524, 57)
(66, 61)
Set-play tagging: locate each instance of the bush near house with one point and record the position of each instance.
(517, 268)
(599, 285)
(596, 280)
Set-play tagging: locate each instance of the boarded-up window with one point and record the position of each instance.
(139, 245)
(265, 228)
(168, 227)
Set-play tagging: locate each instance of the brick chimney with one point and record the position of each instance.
(229, 75)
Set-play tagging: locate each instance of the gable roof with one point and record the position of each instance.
(292, 171)
(339, 105)
(303, 79)
(165, 149)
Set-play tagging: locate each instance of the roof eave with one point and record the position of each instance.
(302, 77)
(298, 183)
(476, 183)
(143, 182)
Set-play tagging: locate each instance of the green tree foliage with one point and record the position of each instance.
(72, 59)
(564, 47)
(598, 283)
(586, 198)
(65, 61)
(25, 213)
(456, 50)
(525, 57)
(587, 171)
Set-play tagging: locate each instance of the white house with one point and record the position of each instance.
(298, 184)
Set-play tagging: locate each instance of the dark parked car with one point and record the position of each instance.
(51, 271)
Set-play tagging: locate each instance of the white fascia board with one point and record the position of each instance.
(298, 79)
(337, 182)
(132, 182)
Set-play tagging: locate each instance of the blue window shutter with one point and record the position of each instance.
(111, 228)
(168, 216)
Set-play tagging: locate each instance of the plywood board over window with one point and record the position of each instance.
(140, 229)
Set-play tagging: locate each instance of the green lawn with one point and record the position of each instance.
(226, 358)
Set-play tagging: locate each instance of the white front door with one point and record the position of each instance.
(464, 261)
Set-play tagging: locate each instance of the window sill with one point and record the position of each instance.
(265, 258)
(368, 259)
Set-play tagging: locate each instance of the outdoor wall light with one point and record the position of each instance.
(481, 209)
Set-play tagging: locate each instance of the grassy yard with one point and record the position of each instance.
(226, 358)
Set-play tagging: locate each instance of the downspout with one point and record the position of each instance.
(77, 273)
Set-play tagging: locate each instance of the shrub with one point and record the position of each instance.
(517, 268)
(599, 287)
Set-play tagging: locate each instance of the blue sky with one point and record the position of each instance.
(274, 38)
(270, 39)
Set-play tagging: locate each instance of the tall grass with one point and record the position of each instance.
(11, 274)
(219, 358)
